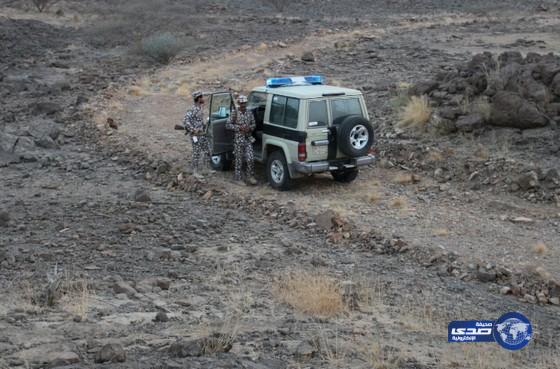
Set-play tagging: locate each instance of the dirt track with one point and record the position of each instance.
(103, 214)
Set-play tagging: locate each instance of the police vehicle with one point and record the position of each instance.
(303, 127)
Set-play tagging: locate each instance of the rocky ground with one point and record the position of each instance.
(113, 256)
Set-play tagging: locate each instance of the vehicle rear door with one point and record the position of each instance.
(317, 130)
(221, 139)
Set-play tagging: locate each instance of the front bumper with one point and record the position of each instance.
(324, 166)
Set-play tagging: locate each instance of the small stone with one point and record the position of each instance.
(161, 317)
(527, 181)
(142, 196)
(308, 57)
(123, 287)
(522, 220)
(505, 290)
(56, 359)
(541, 297)
(163, 283)
(184, 349)
(4, 218)
(304, 350)
(111, 352)
(530, 298)
(555, 300)
(485, 276)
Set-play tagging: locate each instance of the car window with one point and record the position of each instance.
(284, 111)
(292, 112)
(277, 109)
(221, 106)
(318, 116)
(257, 100)
(343, 107)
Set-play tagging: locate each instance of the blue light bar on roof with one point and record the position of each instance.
(294, 81)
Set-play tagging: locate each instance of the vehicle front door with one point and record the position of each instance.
(221, 139)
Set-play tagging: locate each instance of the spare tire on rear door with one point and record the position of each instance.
(355, 136)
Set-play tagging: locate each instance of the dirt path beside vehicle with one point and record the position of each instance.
(478, 226)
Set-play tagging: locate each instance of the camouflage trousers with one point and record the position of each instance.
(200, 153)
(243, 152)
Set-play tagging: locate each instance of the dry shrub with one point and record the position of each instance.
(76, 298)
(540, 248)
(162, 48)
(43, 5)
(310, 292)
(374, 197)
(416, 114)
(400, 202)
(478, 357)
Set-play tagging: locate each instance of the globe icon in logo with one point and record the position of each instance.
(513, 331)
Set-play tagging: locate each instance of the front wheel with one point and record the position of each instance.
(220, 162)
(277, 171)
(345, 176)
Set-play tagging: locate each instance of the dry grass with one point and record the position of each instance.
(77, 297)
(482, 107)
(313, 293)
(380, 357)
(481, 152)
(478, 357)
(540, 248)
(374, 197)
(416, 114)
(400, 202)
(331, 350)
(219, 338)
(440, 232)
(434, 156)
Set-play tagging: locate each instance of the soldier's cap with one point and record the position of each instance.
(197, 94)
(242, 99)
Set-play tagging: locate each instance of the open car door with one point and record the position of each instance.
(221, 139)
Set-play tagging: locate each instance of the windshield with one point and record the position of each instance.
(344, 107)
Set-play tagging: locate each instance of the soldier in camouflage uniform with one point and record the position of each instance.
(242, 122)
(195, 125)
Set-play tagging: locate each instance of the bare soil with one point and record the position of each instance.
(105, 239)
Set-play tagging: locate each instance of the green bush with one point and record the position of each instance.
(162, 47)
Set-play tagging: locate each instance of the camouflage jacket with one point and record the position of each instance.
(194, 119)
(239, 119)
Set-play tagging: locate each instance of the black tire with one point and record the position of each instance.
(220, 162)
(354, 136)
(277, 171)
(345, 176)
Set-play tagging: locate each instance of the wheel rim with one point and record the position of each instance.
(277, 171)
(359, 137)
(216, 159)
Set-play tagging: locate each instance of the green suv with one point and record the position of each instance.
(303, 127)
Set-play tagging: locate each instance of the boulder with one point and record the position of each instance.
(43, 127)
(468, 123)
(509, 109)
(111, 352)
(45, 108)
(508, 57)
(527, 181)
(545, 72)
(182, 348)
(423, 88)
(46, 142)
(555, 85)
(58, 359)
(482, 62)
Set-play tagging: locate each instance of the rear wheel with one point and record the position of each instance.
(277, 171)
(355, 136)
(220, 162)
(345, 176)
